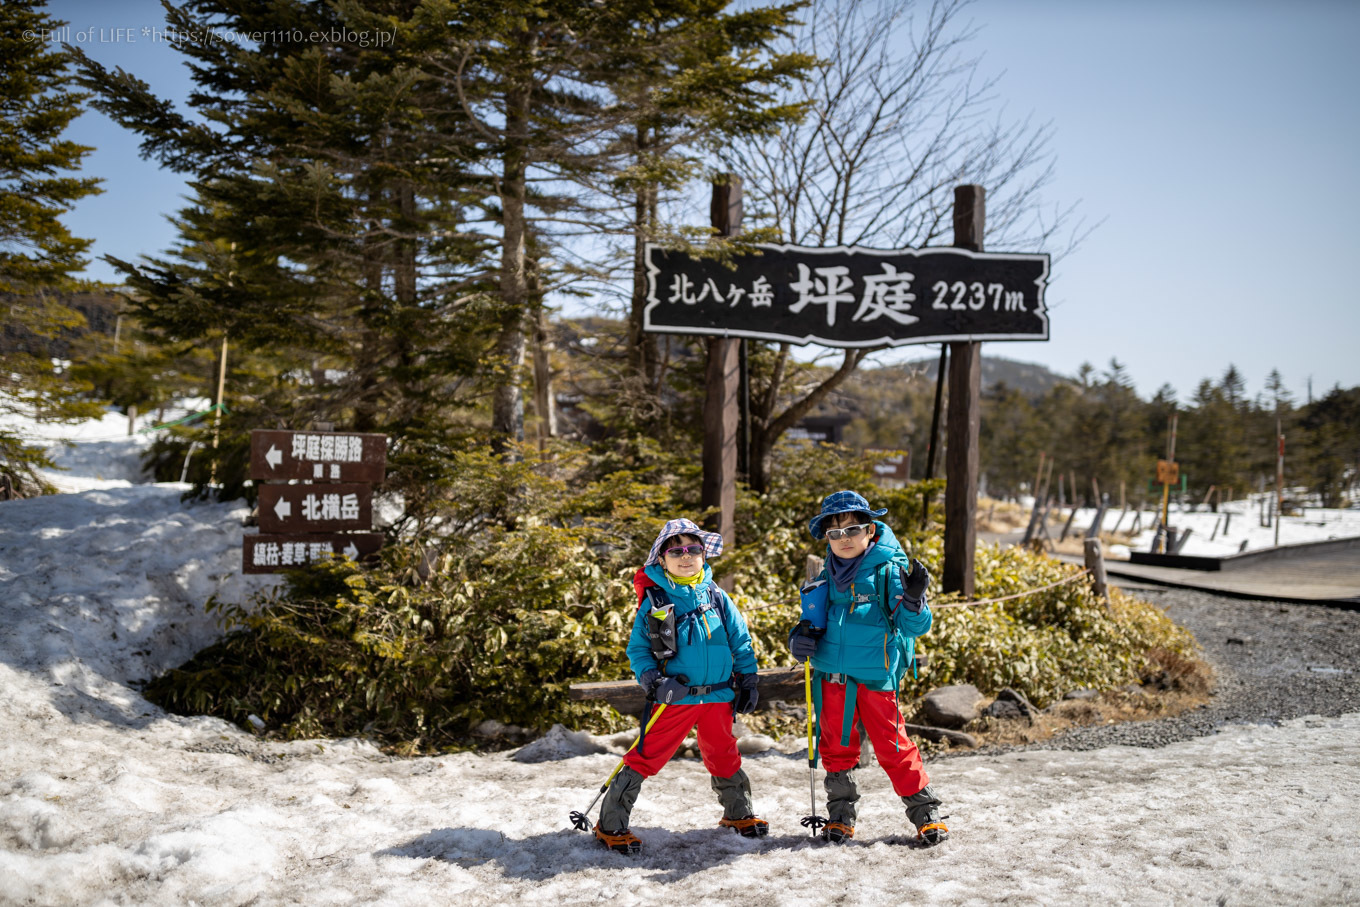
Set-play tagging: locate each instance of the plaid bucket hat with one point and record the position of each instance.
(713, 542)
(841, 502)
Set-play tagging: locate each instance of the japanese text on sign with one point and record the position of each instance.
(849, 296)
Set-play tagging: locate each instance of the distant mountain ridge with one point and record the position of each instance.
(1031, 379)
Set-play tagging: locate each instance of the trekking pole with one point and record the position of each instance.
(581, 821)
(812, 822)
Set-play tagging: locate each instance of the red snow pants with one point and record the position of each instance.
(717, 746)
(888, 733)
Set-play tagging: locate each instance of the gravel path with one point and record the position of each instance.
(1275, 662)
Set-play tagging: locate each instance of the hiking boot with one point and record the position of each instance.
(837, 832)
(749, 827)
(932, 833)
(623, 841)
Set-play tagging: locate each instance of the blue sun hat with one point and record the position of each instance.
(841, 502)
(713, 542)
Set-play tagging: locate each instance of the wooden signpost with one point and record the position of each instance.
(895, 468)
(330, 514)
(851, 297)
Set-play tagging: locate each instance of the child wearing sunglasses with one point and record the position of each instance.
(859, 623)
(690, 650)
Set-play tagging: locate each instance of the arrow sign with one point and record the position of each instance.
(265, 553)
(317, 456)
(315, 508)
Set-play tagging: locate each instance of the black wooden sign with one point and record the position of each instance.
(318, 456)
(315, 508)
(273, 553)
(849, 296)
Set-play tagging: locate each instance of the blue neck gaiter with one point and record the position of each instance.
(843, 571)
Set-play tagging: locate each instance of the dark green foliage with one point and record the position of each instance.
(38, 254)
(1044, 644)
(521, 584)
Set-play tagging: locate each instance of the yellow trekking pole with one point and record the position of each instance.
(811, 822)
(581, 821)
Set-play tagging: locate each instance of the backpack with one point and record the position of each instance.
(663, 626)
(906, 645)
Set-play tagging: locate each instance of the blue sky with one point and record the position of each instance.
(1214, 141)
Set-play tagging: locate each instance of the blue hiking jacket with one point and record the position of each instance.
(712, 641)
(858, 641)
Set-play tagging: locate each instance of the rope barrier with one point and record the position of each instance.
(991, 601)
(986, 601)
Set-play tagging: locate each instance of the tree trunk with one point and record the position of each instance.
(766, 431)
(507, 401)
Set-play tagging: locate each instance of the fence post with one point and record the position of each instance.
(1095, 562)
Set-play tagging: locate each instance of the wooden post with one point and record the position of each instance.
(934, 442)
(217, 415)
(721, 404)
(964, 419)
(1279, 480)
(1095, 562)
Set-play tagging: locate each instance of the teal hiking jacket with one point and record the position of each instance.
(711, 637)
(858, 641)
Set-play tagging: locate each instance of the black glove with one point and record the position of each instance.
(747, 694)
(802, 646)
(917, 580)
(667, 690)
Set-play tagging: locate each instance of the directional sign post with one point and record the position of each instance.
(316, 508)
(300, 524)
(317, 456)
(269, 553)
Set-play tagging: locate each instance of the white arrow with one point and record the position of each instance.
(352, 551)
(283, 509)
(273, 457)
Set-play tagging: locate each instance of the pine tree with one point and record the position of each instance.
(38, 254)
(331, 222)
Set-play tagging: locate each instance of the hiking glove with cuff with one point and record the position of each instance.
(747, 694)
(802, 646)
(914, 588)
(664, 689)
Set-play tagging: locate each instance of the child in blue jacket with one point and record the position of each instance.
(690, 650)
(860, 621)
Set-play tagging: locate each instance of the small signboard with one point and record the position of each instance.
(267, 553)
(318, 456)
(1168, 472)
(892, 468)
(315, 508)
(849, 296)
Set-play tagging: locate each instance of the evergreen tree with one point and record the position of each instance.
(331, 224)
(38, 254)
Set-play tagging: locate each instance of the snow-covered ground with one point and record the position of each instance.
(105, 799)
(1237, 527)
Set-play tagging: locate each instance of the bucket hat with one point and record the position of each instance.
(713, 542)
(841, 502)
